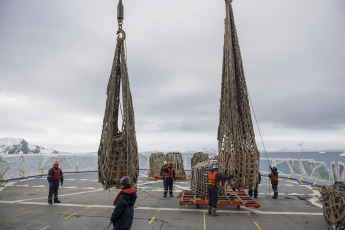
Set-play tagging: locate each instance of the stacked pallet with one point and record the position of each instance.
(198, 157)
(237, 150)
(334, 205)
(156, 162)
(177, 162)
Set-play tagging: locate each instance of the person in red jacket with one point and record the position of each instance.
(212, 189)
(55, 176)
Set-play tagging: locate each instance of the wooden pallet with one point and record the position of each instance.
(238, 198)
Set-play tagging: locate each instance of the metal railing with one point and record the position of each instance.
(306, 170)
(309, 170)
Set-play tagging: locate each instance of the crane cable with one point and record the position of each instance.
(263, 144)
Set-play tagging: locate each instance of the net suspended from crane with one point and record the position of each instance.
(237, 150)
(118, 150)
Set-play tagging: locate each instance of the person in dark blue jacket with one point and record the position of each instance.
(55, 176)
(212, 189)
(274, 181)
(122, 217)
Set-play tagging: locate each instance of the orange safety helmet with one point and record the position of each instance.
(169, 163)
(56, 163)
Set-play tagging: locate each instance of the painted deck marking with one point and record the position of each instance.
(256, 224)
(151, 220)
(45, 228)
(69, 216)
(204, 221)
(171, 209)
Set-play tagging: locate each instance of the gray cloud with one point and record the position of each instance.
(55, 60)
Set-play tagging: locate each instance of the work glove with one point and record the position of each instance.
(61, 183)
(50, 184)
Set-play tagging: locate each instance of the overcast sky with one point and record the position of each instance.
(56, 56)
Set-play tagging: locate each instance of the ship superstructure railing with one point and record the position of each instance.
(304, 170)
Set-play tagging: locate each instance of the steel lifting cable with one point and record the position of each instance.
(263, 144)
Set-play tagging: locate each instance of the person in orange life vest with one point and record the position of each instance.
(168, 179)
(55, 176)
(250, 191)
(122, 216)
(165, 165)
(274, 181)
(212, 189)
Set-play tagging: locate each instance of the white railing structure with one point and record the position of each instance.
(309, 170)
(22, 166)
(305, 170)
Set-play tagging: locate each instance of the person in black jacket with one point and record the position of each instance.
(212, 189)
(122, 217)
(169, 179)
(55, 176)
(250, 191)
(274, 181)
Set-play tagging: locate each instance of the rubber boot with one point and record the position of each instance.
(50, 202)
(57, 201)
(275, 196)
(214, 212)
(165, 194)
(209, 211)
(171, 195)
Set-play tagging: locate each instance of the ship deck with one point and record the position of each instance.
(85, 205)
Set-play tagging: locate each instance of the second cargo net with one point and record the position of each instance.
(237, 150)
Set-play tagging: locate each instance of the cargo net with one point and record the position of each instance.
(177, 162)
(199, 177)
(156, 162)
(334, 205)
(118, 151)
(198, 157)
(237, 150)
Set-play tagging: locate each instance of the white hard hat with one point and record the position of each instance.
(165, 162)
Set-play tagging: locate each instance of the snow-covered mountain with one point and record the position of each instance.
(20, 146)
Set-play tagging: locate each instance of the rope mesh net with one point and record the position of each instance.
(237, 150)
(118, 151)
(334, 205)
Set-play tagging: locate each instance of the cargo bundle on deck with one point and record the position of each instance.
(156, 162)
(334, 205)
(177, 162)
(198, 157)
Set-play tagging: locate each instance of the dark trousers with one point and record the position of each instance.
(275, 189)
(54, 190)
(250, 191)
(168, 185)
(212, 192)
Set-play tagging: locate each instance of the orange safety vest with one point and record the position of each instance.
(212, 179)
(273, 177)
(164, 173)
(57, 174)
(170, 173)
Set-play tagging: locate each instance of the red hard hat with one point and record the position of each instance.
(170, 163)
(56, 163)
